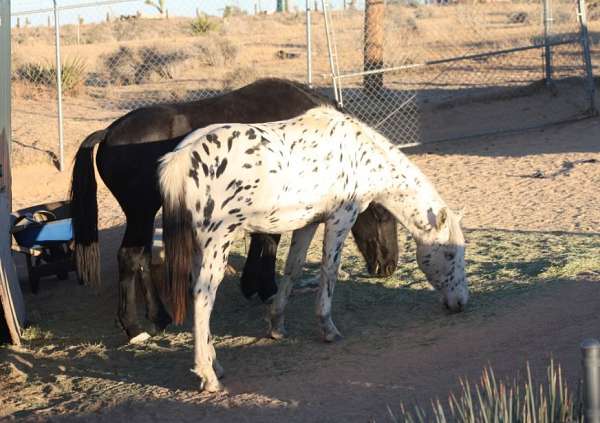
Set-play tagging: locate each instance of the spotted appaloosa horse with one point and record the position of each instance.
(321, 167)
(127, 161)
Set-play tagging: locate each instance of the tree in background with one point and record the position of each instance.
(373, 49)
(283, 6)
(159, 5)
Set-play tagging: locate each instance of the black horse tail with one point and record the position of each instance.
(84, 211)
(177, 231)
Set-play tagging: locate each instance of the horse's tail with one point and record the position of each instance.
(84, 210)
(177, 231)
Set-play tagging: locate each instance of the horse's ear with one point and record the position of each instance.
(460, 214)
(441, 218)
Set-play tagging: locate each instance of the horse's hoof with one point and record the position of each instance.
(218, 369)
(211, 386)
(162, 322)
(332, 337)
(140, 339)
(278, 334)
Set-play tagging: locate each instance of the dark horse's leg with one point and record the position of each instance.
(134, 262)
(258, 275)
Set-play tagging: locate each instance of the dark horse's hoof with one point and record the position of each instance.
(160, 324)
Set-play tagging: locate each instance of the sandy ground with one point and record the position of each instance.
(85, 372)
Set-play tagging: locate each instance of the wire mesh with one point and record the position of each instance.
(118, 56)
(439, 56)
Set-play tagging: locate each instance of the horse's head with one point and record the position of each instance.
(379, 247)
(441, 256)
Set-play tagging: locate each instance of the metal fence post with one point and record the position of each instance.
(547, 47)
(308, 45)
(59, 88)
(330, 48)
(590, 350)
(585, 45)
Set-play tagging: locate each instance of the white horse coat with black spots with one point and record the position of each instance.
(321, 167)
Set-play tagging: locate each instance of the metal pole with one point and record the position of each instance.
(308, 45)
(585, 44)
(590, 350)
(5, 102)
(59, 89)
(547, 47)
(330, 50)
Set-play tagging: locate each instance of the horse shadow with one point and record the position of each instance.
(80, 340)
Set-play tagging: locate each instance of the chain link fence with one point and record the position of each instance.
(118, 55)
(422, 69)
(428, 72)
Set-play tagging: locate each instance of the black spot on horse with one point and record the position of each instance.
(221, 168)
(213, 139)
(196, 160)
(194, 175)
(251, 134)
(247, 166)
(208, 210)
(233, 136)
(232, 227)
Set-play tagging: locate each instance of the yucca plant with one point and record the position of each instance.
(44, 74)
(493, 401)
(159, 5)
(203, 25)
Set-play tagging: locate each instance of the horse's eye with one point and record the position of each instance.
(449, 256)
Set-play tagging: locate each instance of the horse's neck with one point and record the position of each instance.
(408, 194)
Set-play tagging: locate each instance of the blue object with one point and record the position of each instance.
(39, 234)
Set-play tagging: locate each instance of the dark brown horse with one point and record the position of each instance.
(127, 160)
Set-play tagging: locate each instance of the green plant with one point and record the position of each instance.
(203, 25)
(496, 401)
(44, 74)
(230, 11)
(159, 5)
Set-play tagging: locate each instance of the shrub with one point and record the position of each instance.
(128, 66)
(239, 77)
(230, 11)
(44, 74)
(217, 51)
(203, 25)
(494, 401)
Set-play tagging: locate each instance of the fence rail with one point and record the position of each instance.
(432, 59)
(425, 59)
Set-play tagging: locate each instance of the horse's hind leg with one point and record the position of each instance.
(336, 230)
(130, 260)
(208, 273)
(134, 263)
(293, 269)
(155, 310)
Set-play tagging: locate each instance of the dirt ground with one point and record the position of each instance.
(532, 258)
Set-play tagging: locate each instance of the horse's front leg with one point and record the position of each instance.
(293, 269)
(208, 273)
(337, 228)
